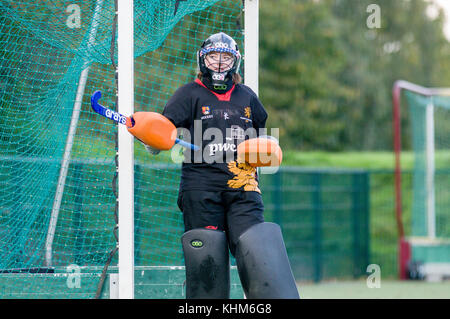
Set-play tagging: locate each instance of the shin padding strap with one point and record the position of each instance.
(153, 129)
(207, 264)
(263, 264)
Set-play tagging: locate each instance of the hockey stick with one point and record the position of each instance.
(125, 120)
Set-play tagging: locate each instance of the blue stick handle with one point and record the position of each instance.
(122, 119)
(110, 114)
(186, 144)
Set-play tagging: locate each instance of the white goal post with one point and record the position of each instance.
(251, 44)
(125, 140)
(125, 69)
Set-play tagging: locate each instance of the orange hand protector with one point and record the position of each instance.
(260, 152)
(153, 129)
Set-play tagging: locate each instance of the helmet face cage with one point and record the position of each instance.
(219, 61)
(221, 43)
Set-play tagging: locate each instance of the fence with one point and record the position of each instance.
(324, 215)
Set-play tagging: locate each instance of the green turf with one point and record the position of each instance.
(367, 160)
(383, 231)
(387, 290)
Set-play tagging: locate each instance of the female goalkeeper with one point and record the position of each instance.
(219, 196)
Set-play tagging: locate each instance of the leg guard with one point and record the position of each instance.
(207, 264)
(263, 264)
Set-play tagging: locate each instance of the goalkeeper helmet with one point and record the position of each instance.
(219, 58)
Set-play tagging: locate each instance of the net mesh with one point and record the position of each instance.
(46, 48)
(423, 169)
(51, 250)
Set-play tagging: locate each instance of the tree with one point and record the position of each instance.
(326, 76)
(299, 61)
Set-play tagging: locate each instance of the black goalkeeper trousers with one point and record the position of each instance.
(230, 211)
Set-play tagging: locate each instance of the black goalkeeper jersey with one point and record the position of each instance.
(216, 123)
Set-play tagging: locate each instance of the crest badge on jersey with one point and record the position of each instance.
(237, 132)
(206, 110)
(247, 114)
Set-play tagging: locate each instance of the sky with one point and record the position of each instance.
(446, 5)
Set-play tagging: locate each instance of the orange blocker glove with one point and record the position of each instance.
(151, 128)
(260, 152)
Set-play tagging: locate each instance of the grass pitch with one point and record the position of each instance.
(388, 290)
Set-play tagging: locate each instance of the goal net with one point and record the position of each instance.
(426, 217)
(58, 179)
